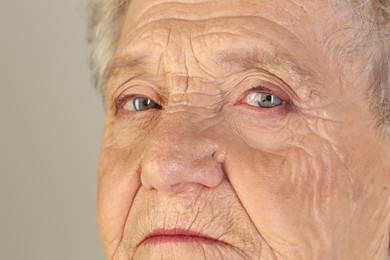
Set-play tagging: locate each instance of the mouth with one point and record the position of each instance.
(160, 236)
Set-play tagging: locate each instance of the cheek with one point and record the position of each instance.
(294, 195)
(118, 182)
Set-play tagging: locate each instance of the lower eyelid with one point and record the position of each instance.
(263, 114)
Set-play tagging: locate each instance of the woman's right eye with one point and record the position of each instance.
(136, 104)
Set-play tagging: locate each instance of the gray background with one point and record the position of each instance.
(50, 132)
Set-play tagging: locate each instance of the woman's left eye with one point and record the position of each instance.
(263, 100)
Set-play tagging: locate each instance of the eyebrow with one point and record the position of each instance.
(276, 60)
(279, 63)
(244, 58)
(124, 64)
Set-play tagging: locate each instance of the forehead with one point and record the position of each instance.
(288, 12)
(280, 21)
(274, 27)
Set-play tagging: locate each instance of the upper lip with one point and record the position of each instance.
(179, 232)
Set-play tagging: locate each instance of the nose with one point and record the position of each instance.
(178, 157)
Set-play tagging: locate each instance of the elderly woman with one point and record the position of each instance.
(243, 129)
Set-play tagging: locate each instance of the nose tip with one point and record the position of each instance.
(180, 164)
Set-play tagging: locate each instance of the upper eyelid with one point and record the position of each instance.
(256, 80)
(261, 89)
(138, 85)
(142, 88)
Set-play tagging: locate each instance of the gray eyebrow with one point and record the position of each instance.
(124, 64)
(281, 64)
(253, 57)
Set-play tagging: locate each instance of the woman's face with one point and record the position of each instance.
(233, 132)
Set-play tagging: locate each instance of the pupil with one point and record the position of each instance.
(269, 98)
(146, 102)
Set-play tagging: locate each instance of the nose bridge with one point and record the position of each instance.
(176, 139)
(177, 155)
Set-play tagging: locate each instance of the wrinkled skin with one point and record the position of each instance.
(307, 179)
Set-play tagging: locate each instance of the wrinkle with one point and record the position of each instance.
(297, 162)
(204, 35)
(204, 252)
(198, 62)
(164, 51)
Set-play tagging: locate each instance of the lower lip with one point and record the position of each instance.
(178, 239)
(178, 236)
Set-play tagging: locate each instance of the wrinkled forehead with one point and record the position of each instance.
(278, 20)
(295, 27)
(321, 20)
(289, 12)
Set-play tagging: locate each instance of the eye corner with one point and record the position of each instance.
(118, 103)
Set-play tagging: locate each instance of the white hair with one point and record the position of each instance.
(105, 24)
(106, 18)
